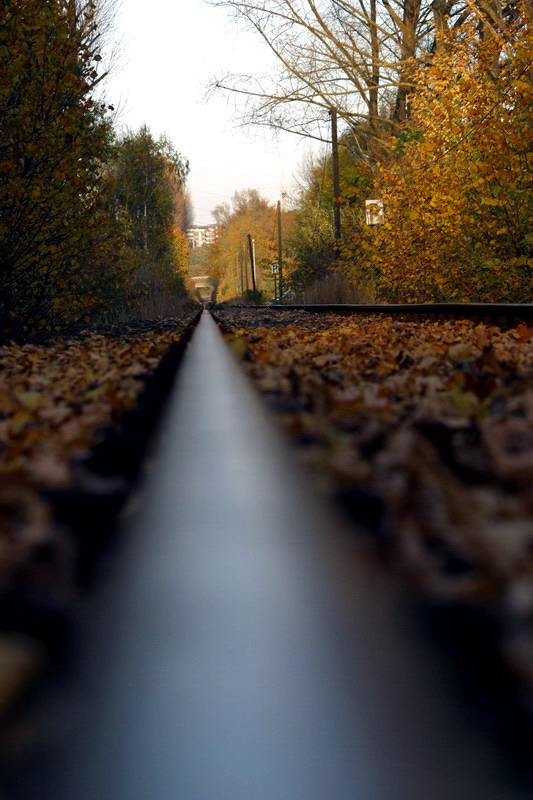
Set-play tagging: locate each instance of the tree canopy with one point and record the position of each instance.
(149, 193)
(77, 207)
(58, 241)
(248, 217)
(436, 101)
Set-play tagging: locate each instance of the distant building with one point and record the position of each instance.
(199, 235)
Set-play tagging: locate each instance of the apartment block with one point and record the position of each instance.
(199, 235)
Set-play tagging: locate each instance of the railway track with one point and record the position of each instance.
(244, 646)
(504, 313)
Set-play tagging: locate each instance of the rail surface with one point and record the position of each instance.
(244, 647)
(492, 311)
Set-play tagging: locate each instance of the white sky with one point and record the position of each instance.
(170, 50)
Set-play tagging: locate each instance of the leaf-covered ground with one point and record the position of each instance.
(56, 402)
(426, 430)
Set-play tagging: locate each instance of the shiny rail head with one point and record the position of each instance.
(245, 648)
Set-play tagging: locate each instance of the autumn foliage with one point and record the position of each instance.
(248, 215)
(455, 176)
(457, 184)
(56, 401)
(147, 189)
(424, 431)
(88, 222)
(58, 240)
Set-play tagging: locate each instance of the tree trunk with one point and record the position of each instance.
(411, 14)
(374, 81)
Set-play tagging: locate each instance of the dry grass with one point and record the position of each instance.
(336, 288)
(159, 302)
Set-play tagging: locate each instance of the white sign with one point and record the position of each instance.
(374, 212)
(275, 269)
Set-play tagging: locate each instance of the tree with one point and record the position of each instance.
(350, 57)
(436, 101)
(248, 214)
(312, 236)
(457, 185)
(149, 193)
(58, 241)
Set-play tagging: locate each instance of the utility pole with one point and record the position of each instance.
(241, 271)
(280, 256)
(336, 184)
(245, 268)
(251, 246)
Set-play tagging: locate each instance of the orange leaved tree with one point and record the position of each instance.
(457, 183)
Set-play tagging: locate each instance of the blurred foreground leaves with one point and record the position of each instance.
(425, 429)
(56, 401)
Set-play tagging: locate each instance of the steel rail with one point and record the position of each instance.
(491, 311)
(244, 646)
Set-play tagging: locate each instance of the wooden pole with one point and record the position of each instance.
(280, 256)
(246, 279)
(336, 185)
(252, 261)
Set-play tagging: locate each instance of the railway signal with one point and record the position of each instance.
(374, 212)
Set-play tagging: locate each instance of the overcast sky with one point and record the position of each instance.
(169, 51)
